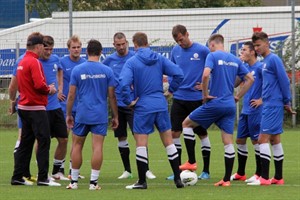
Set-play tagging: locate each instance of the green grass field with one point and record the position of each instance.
(159, 188)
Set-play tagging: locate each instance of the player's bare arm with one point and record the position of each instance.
(114, 108)
(12, 91)
(248, 81)
(205, 82)
(70, 102)
(60, 81)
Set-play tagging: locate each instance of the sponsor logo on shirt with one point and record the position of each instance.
(230, 64)
(20, 68)
(95, 76)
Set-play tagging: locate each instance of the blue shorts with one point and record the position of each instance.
(83, 129)
(143, 123)
(208, 114)
(249, 126)
(272, 120)
(19, 121)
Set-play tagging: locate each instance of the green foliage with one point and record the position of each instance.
(241, 3)
(287, 50)
(6, 120)
(45, 8)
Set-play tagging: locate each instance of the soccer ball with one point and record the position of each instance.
(188, 177)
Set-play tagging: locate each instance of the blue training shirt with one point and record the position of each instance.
(68, 65)
(225, 67)
(276, 84)
(255, 91)
(191, 61)
(144, 71)
(116, 63)
(51, 67)
(92, 80)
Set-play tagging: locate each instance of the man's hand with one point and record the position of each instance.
(61, 96)
(114, 123)
(52, 89)
(198, 86)
(12, 107)
(208, 98)
(255, 103)
(132, 104)
(288, 108)
(70, 121)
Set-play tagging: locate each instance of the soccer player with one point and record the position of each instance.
(68, 63)
(116, 62)
(221, 69)
(249, 120)
(58, 128)
(190, 56)
(276, 97)
(92, 83)
(32, 110)
(144, 72)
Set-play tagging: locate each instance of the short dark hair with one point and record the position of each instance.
(140, 39)
(94, 48)
(218, 38)
(251, 46)
(34, 39)
(178, 29)
(260, 36)
(48, 41)
(119, 35)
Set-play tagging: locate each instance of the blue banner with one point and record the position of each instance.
(8, 56)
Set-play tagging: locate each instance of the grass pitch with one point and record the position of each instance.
(159, 188)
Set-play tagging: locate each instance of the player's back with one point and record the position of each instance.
(145, 70)
(225, 67)
(92, 80)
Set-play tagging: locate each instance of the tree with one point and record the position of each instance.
(287, 50)
(46, 7)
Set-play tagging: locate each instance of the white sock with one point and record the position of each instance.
(75, 174)
(95, 175)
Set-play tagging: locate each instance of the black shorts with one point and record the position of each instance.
(180, 109)
(125, 117)
(57, 123)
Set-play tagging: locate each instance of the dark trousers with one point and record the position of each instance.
(35, 125)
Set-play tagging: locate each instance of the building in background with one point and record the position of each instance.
(14, 13)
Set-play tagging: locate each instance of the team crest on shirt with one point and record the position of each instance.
(55, 67)
(264, 68)
(253, 74)
(195, 57)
